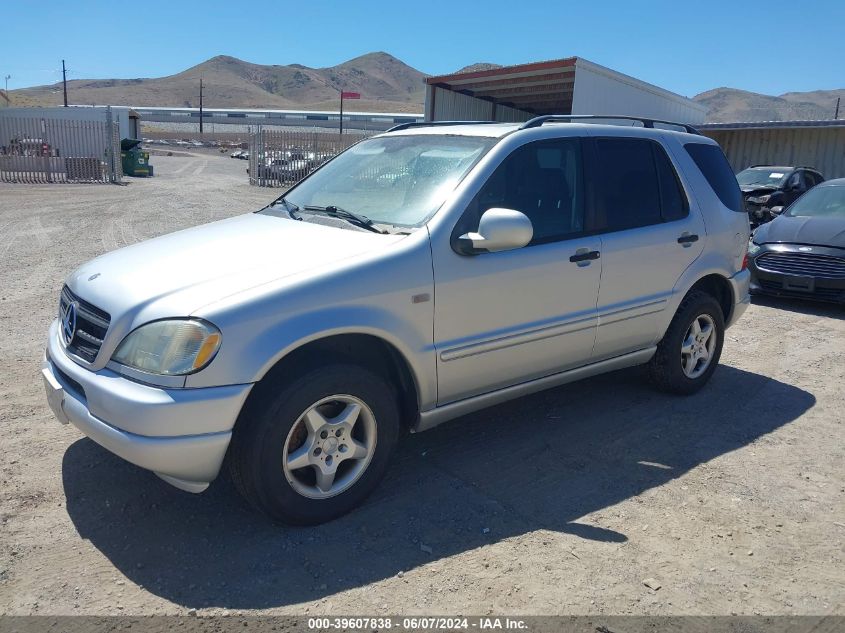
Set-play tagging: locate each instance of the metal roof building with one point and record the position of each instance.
(564, 86)
(819, 144)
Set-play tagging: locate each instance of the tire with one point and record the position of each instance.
(285, 422)
(667, 366)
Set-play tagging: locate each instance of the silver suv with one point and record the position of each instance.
(422, 274)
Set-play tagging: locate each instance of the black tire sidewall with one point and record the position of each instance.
(275, 495)
(670, 355)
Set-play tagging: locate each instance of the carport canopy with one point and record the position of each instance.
(539, 87)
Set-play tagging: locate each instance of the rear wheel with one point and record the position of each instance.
(317, 446)
(690, 350)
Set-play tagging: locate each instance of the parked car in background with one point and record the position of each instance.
(298, 341)
(801, 253)
(767, 189)
(284, 170)
(236, 154)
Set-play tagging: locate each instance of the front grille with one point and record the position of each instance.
(91, 326)
(822, 294)
(803, 264)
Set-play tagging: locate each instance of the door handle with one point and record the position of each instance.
(583, 255)
(687, 239)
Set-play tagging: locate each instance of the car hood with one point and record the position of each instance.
(748, 190)
(803, 230)
(176, 274)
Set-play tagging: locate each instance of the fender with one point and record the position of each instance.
(267, 347)
(709, 263)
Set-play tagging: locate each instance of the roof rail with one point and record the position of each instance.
(649, 123)
(405, 126)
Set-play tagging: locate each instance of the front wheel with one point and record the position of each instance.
(314, 448)
(690, 350)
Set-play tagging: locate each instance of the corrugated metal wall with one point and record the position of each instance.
(602, 91)
(822, 148)
(449, 105)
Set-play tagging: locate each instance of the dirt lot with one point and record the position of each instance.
(733, 500)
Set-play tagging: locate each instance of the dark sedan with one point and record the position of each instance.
(801, 253)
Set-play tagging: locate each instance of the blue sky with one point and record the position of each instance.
(688, 47)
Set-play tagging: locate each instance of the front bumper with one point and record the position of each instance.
(796, 286)
(180, 434)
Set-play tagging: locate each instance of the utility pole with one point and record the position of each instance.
(64, 80)
(6, 92)
(200, 105)
(835, 116)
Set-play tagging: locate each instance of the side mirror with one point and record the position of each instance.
(777, 210)
(498, 230)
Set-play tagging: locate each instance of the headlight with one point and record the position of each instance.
(173, 347)
(753, 248)
(760, 199)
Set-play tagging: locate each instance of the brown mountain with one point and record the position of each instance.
(474, 68)
(729, 105)
(385, 83)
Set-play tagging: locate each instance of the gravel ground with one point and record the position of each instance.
(565, 502)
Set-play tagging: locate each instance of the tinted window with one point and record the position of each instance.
(543, 181)
(627, 184)
(809, 179)
(713, 164)
(795, 181)
(673, 201)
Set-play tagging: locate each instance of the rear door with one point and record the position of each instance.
(650, 235)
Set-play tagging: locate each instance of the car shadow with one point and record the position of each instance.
(540, 462)
(801, 306)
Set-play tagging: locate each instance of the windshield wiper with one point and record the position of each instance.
(290, 207)
(353, 218)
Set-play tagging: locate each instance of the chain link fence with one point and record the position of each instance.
(47, 150)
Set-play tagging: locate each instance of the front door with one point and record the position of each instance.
(507, 317)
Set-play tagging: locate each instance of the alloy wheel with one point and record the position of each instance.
(329, 447)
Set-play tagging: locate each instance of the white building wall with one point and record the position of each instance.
(77, 113)
(599, 90)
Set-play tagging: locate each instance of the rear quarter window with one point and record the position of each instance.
(716, 169)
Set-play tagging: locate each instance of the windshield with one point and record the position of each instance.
(771, 176)
(399, 180)
(820, 202)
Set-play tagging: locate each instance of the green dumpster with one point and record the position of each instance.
(135, 161)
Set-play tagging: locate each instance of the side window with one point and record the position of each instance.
(809, 179)
(543, 180)
(795, 181)
(628, 193)
(716, 169)
(673, 201)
